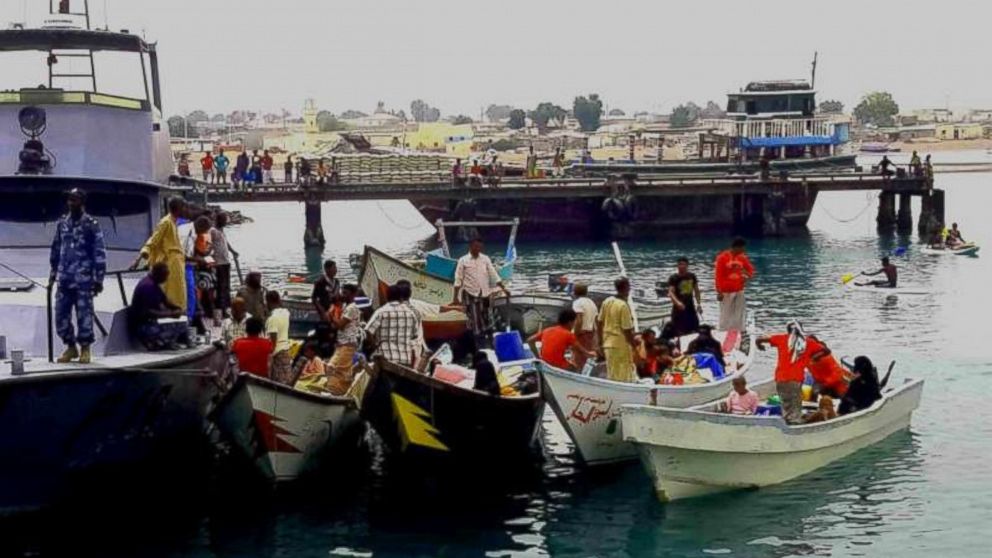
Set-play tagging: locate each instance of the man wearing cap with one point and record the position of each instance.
(78, 264)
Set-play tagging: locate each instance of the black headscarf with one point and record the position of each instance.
(864, 390)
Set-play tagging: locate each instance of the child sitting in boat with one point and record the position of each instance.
(741, 401)
(825, 411)
(313, 376)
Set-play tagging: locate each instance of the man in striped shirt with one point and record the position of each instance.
(396, 328)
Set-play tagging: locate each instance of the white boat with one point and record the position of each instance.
(589, 407)
(969, 249)
(887, 291)
(698, 451)
(286, 432)
(529, 312)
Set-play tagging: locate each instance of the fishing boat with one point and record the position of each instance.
(698, 451)
(588, 407)
(286, 432)
(440, 262)
(968, 249)
(529, 312)
(887, 291)
(422, 416)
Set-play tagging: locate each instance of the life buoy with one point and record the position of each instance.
(613, 208)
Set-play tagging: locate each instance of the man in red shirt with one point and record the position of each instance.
(253, 351)
(556, 340)
(207, 166)
(790, 369)
(828, 374)
(266, 163)
(732, 271)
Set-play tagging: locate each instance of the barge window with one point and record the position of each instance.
(27, 219)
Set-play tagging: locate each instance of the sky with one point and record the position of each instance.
(461, 56)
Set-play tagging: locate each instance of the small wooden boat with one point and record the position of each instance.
(968, 249)
(588, 407)
(286, 432)
(529, 312)
(887, 291)
(424, 417)
(698, 451)
(440, 262)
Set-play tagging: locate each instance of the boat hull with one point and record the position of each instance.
(467, 425)
(690, 453)
(967, 250)
(589, 408)
(284, 432)
(530, 312)
(67, 428)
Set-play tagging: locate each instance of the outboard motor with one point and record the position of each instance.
(33, 157)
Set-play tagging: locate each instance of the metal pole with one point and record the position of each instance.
(51, 339)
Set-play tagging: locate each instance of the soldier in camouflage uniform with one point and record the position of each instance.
(79, 262)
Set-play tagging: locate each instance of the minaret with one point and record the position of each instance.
(310, 116)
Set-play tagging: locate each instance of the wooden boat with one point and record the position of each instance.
(286, 432)
(588, 407)
(968, 249)
(440, 263)
(529, 312)
(422, 417)
(302, 314)
(888, 291)
(698, 451)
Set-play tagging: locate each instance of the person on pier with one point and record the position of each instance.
(164, 247)
(475, 276)
(733, 272)
(287, 169)
(78, 264)
(915, 164)
(241, 168)
(616, 334)
(221, 162)
(683, 291)
(267, 164)
(891, 276)
(207, 166)
(884, 165)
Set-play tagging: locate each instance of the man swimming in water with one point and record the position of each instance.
(891, 276)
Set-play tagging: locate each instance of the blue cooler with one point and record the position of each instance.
(509, 346)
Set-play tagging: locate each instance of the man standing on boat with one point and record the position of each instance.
(475, 276)
(585, 322)
(79, 262)
(683, 291)
(790, 368)
(164, 246)
(616, 334)
(395, 329)
(326, 290)
(733, 271)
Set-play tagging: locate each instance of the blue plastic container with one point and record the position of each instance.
(509, 346)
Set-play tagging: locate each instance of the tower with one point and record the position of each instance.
(310, 116)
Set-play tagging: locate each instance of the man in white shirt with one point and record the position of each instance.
(585, 323)
(277, 327)
(475, 276)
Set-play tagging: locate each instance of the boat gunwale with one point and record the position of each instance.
(387, 367)
(249, 378)
(96, 370)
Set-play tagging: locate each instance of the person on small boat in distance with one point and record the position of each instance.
(164, 247)
(395, 329)
(954, 238)
(221, 162)
(253, 294)
(277, 329)
(78, 264)
(732, 272)
(864, 390)
(349, 326)
(706, 343)
(683, 291)
(485, 374)
(475, 276)
(615, 326)
(222, 253)
(585, 322)
(790, 370)
(741, 401)
(253, 351)
(825, 411)
(149, 305)
(326, 289)
(457, 173)
(557, 340)
(891, 276)
(234, 326)
(829, 376)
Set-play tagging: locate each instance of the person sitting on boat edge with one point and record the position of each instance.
(825, 411)
(585, 322)
(153, 319)
(557, 340)
(864, 390)
(741, 401)
(706, 343)
(954, 238)
(615, 325)
(829, 376)
(891, 276)
(253, 351)
(790, 368)
(277, 328)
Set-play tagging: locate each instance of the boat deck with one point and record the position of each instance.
(36, 365)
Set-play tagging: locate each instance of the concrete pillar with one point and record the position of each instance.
(313, 234)
(927, 224)
(781, 152)
(904, 222)
(886, 219)
(938, 207)
(774, 215)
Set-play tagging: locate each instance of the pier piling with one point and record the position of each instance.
(886, 211)
(904, 221)
(313, 235)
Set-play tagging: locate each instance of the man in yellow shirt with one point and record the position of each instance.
(616, 334)
(164, 246)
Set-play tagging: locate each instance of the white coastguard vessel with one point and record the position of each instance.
(699, 451)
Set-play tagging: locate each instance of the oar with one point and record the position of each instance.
(885, 380)
(623, 273)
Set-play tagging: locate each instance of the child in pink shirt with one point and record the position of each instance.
(741, 401)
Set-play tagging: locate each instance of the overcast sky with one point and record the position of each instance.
(462, 55)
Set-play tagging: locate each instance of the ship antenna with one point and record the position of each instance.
(812, 81)
(106, 22)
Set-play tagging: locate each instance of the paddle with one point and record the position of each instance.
(885, 380)
(623, 273)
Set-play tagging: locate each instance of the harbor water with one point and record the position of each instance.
(924, 492)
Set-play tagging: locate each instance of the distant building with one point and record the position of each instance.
(979, 115)
(933, 115)
(959, 131)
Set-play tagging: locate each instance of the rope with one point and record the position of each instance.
(870, 198)
(393, 221)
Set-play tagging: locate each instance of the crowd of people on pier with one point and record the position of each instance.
(255, 169)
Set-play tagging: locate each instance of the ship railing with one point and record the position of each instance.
(775, 127)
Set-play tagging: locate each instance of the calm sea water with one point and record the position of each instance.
(924, 492)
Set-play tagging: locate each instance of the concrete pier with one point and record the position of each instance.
(904, 221)
(886, 219)
(313, 234)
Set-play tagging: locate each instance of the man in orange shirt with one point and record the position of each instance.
(732, 271)
(556, 340)
(829, 375)
(790, 369)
